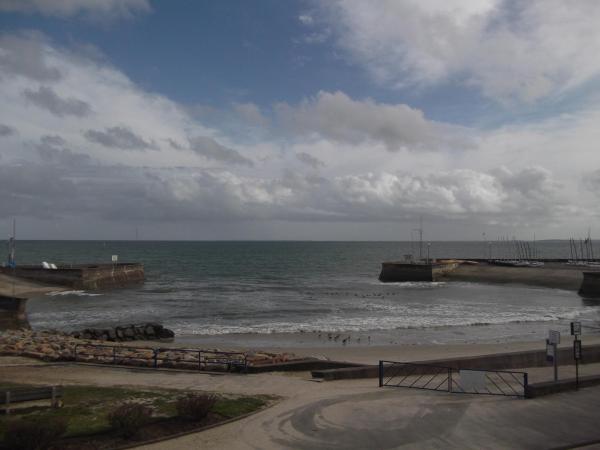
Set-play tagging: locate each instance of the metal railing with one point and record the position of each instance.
(178, 358)
(448, 379)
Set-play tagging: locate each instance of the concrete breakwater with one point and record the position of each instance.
(553, 274)
(82, 276)
(405, 271)
(136, 332)
(13, 313)
(590, 286)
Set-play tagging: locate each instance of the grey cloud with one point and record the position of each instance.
(174, 144)
(5, 130)
(24, 56)
(53, 140)
(70, 8)
(52, 150)
(338, 117)
(309, 160)
(211, 149)
(47, 99)
(127, 193)
(28, 190)
(119, 137)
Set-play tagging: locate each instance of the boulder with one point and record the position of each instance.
(165, 333)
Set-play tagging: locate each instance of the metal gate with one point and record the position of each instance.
(448, 379)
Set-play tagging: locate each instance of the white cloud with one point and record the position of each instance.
(70, 8)
(509, 50)
(250, 113)
(184, 170)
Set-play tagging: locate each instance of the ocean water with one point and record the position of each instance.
(270, 289)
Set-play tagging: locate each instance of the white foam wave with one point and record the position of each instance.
(360, 324)
(74, 293)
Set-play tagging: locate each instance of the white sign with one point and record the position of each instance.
(472, 380)
(115, 258)
(554, 337)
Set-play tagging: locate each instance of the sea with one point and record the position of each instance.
(276, 293)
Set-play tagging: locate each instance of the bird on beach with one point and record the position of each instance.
(329, 336)
(336, 337)
(344, 341)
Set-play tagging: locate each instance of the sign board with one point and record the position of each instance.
(554, 337)
(472, 380)
(549, 351)
(577, 349)
(115, 258)
(575, 328)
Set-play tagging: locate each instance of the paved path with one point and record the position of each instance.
(410, 419)
(354, 414)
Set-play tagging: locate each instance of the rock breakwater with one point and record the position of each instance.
(59, 346)
(135, 332)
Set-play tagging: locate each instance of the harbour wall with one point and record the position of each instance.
(556, 274)
(590, 286)
(13, 313)
(85, 276)
(400, 271)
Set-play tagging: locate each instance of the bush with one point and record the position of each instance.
(127, 418)
(195, 406)
(34, 433)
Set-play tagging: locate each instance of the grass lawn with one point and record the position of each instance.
(86, 407)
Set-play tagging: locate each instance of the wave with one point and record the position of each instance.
(74, 293)
(339, 324)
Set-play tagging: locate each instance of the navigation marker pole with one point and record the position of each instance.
(576, 331)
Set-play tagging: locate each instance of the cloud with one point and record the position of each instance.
(46, 98)
(5, 130)
(338, 117)
(510, 51)
(372, 165)
(53, 150)
(119, 137)
(309, 160)
(211, 149)
(250, 113)
(25, 55)
(306, 19)
(70, 8)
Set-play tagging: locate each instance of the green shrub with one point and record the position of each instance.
(195, 406)
(127, 418)
(34, 433)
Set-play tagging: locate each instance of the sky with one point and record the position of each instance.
(299, 120)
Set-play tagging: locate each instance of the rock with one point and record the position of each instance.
(165, 333)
